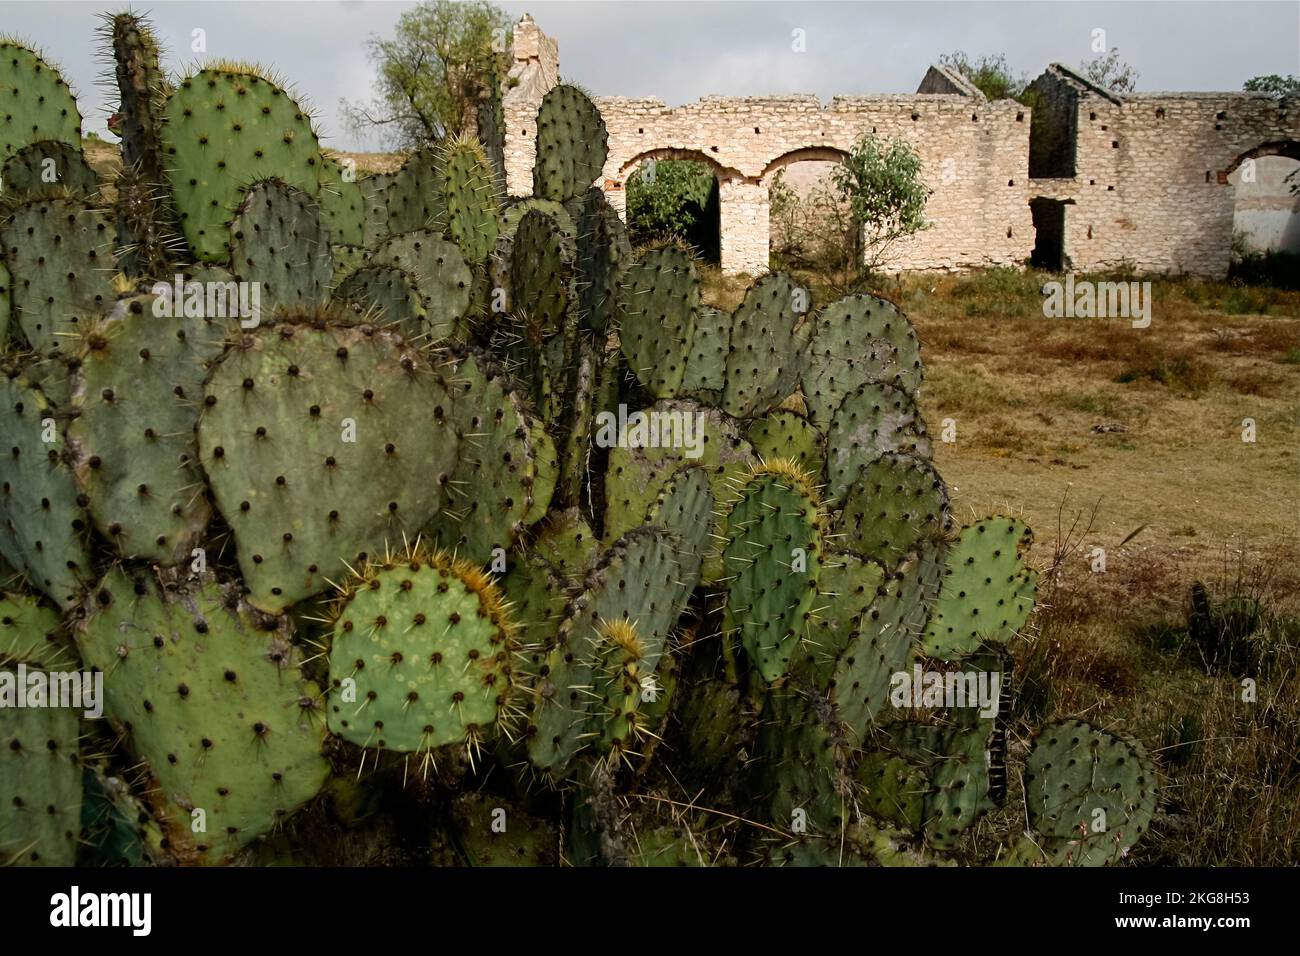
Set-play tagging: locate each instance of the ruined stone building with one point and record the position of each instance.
(1088, 180)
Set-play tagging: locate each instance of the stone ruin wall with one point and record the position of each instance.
(1138, 197)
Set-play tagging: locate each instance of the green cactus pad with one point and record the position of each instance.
(342, 204)
(896, 502)
(39, 105)
(470, 199)
(988, 592)
(541, 269)
(413, 197)
(603, 252)
(639, 581)
(31, 632)
(490, 490)
(546, 470)
(886, 635)
(1093, 794)
(768, 348)
(636, 474)
(40, 782)
(772, 557)
(139, 384)
(798, 775)
(60, 253)
(49, 167)
(859, 339)
(706, 363)
(572, 144)
(6, 302)
(847, 586)
(444, 279)
(421, 655)
(321, 445)
(895, 789)
(783, 433)
(658, 296)
(386, 296)
(277, 241)
(686, 505)
(872, 420)
(46, 530)
(226, 128)
(211, 697)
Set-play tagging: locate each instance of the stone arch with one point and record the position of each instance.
(1265, 209)
(1283, 147)
(808, 169)
(720, 172)
(733, 224)
(804, 154)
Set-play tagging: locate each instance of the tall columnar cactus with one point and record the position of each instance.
(228, 126)
(146, 220)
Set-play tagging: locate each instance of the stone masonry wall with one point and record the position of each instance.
(1150, 188)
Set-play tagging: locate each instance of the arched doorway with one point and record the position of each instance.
(808, 224)
(1266, 204)
(673, 194)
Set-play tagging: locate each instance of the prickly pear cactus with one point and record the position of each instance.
(857, 340)
(61, 252)
(768, 347)
(440, 273)
(138, 385)
(658, 296)
(772, 557)
(470, 199)
(41, 509)
(49, 167)
(225, 127)
(1090, 793)
(421, 655)
(987, 592)
(571, 144)
(210, 696)
(321, 443)
(896, 502)
(40, 104)
(872, 420)
(277, 241)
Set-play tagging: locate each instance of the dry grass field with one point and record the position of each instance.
(1130, 440)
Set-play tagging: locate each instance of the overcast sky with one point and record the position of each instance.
(679, 51)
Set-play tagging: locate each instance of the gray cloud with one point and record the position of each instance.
(679, 51)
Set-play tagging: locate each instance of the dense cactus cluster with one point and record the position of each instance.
(406, 523)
